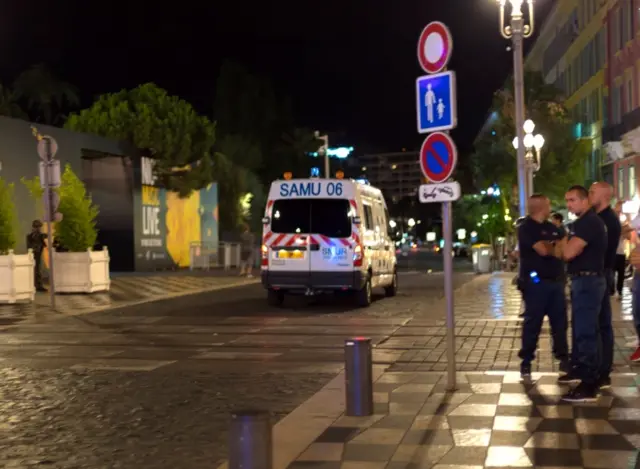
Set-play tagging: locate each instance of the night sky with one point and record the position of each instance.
(350, 65)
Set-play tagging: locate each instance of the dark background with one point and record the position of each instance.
(349, 66)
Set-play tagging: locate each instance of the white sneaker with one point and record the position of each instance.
(632, 342)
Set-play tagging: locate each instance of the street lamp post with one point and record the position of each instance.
(532, 146)
(324, 151)
(517, 31)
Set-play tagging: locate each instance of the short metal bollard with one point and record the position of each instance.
(358, 377)
(250, 440)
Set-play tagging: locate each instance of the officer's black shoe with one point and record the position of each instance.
(568, 378)
(604, 383)
(582, 393)
(565, 366)
(41, 289)
(525, 371)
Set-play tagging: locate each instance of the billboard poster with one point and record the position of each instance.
(166, 225)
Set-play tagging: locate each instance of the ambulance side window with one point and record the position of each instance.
(368, 217)
(387, 219)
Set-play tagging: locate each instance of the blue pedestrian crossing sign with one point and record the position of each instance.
(436, 102)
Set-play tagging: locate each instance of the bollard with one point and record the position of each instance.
(358, 377)
(250, 440)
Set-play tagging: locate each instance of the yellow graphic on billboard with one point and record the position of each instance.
(183, 226)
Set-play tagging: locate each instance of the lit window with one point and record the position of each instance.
(632, 181)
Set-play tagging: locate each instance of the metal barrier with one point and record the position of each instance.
(203, 255)
(250, 441)
(358, 377)
(230, 255)
(210, 255)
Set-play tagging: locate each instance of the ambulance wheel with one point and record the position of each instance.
(392, 290)
(275, 298)
(364, 296)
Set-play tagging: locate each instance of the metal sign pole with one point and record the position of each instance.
(447, 232)
(50, 210)
(437, 111)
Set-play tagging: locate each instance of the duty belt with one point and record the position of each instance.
(587, 273)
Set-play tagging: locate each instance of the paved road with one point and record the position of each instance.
(152, 385)
(423, 260)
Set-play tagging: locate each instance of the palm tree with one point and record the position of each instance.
(9, 106)
(44, 93)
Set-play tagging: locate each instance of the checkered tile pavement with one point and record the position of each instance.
(492, 420)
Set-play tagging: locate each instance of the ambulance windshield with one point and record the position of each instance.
(328, 217)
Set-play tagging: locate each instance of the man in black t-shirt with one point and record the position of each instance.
(542, 283)
(585, 254)
(600, 197)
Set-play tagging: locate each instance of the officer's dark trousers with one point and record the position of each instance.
(621, 266)
(37, 270)
(592, 333)
(545, 298)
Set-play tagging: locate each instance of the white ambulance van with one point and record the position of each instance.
(326, 235)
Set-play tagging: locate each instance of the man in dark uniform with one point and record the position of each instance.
(600, 197)
(542, 280)
(585, 252)
(558, 220)
(36, 241)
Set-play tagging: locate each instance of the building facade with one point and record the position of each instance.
(571, 53)
(621, 136)
(398, 174)
(144, 226)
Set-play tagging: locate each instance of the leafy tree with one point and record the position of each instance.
(9, 106)
(8, 218)
(248, 111)
(37, 192)
(180, 140)
(45, 94)
(491, 217)
(76, 231)
(563, 157)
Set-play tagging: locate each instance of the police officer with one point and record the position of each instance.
(36, 242)
(558, 220)
(542, 283)
(585, 253)
(600, 197)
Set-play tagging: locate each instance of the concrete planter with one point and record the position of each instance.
(16, 277)
(81, 272)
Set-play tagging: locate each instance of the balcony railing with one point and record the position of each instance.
(614, 133)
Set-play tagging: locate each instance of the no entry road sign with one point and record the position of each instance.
(438, 157)
(434, 47)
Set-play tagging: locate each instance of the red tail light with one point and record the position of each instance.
(264, 250)
(357, 256)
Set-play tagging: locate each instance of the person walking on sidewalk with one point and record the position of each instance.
(246, 251)
(635, 290)
(585, 254)
(542, 277)
(621, 257)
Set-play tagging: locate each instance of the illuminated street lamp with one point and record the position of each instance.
(411, 223)
(532, 146)
(392, 223)
(517, 31)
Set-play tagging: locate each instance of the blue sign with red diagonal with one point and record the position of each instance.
(438, 157)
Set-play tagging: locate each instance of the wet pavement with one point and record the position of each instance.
(152, 384)
(492, 420)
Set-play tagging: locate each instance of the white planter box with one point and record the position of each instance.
(16, 277)
(81, 272)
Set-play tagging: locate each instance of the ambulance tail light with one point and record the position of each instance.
(264, 250)
(357, 256)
